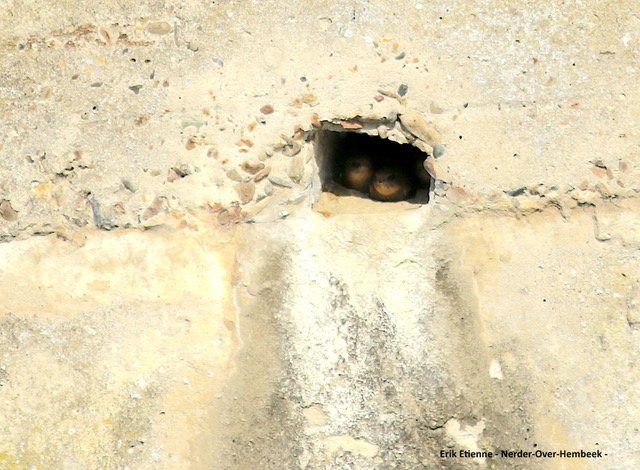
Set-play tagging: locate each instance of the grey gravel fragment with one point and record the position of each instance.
(234, 175)
(280, 181)
(517, 192)
(129, 185)
(100, 221)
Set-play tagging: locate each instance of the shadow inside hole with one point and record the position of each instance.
(338, 154)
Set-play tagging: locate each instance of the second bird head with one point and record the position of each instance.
(390, 184)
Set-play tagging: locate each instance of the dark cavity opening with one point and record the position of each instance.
(353, 164)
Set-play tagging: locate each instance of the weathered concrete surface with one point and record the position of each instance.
(110, 351)
(197, 303)
(317, 347)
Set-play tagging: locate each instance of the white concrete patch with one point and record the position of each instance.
(495, 370)
(465, 435)
(345, 443)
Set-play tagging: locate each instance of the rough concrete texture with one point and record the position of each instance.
(177, 292)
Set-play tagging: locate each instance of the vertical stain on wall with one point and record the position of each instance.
(496, 407)
(357, 352)
(252, 425)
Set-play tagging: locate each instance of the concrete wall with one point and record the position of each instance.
(176, 291)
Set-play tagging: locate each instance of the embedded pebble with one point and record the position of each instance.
(212, 152)
(245, 191)
(604, 190)
(7, 212)
(350, 125)
(418, 126)
(230, 215)
(180, 171)
(397, 134)
(268, 189)
(234, 175)
(441, 188)
(584, 197)
(458, 195)
(392, 94)
(266, 109)
(129, 185)
(252, 167)
(262, 174)
(296, 169)
(426, 148)
(517, 192)
(224, 217)
(101, 221)
(438, 150)
(154, 208)
(191, 143)
(309, 98)
(315, 121)
(280, 181)
(172, 175)
(159, 27)
(402, 89)
(435, 109)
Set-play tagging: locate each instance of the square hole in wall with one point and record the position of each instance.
(368, 166)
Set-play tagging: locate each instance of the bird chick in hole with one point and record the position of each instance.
(357, 173)
(384, 175)
(390, 184)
